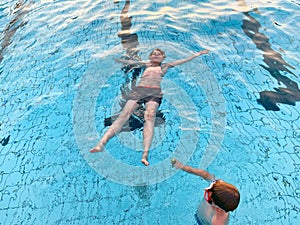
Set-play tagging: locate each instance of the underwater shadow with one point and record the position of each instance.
(275, 64)
(16, 23)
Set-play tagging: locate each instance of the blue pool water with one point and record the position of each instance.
(239, 120)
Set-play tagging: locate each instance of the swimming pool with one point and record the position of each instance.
(240, 118)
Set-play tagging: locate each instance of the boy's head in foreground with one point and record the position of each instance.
(223, 195)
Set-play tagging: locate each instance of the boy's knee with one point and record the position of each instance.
(150, 115)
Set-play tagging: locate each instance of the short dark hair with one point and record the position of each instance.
(225, 195)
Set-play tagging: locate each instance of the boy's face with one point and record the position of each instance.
(157, 56)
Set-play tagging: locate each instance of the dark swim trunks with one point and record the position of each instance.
(198, 220)
(146, 94)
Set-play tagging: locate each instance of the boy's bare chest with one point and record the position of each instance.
(153, 72)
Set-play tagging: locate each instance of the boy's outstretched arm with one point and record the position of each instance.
(202, 173)
(181, 61)
(130, 62)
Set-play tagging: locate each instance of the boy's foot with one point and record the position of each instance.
(145, 162)
(98, 148)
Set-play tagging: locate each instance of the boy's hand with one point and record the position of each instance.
(119, 60)
(206, 51)
(176, 164)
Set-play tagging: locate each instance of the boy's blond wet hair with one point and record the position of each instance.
(161, 51)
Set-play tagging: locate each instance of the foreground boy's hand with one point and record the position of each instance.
(176, 163)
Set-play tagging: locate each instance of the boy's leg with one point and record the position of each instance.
(149, 116)
(117, 125)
